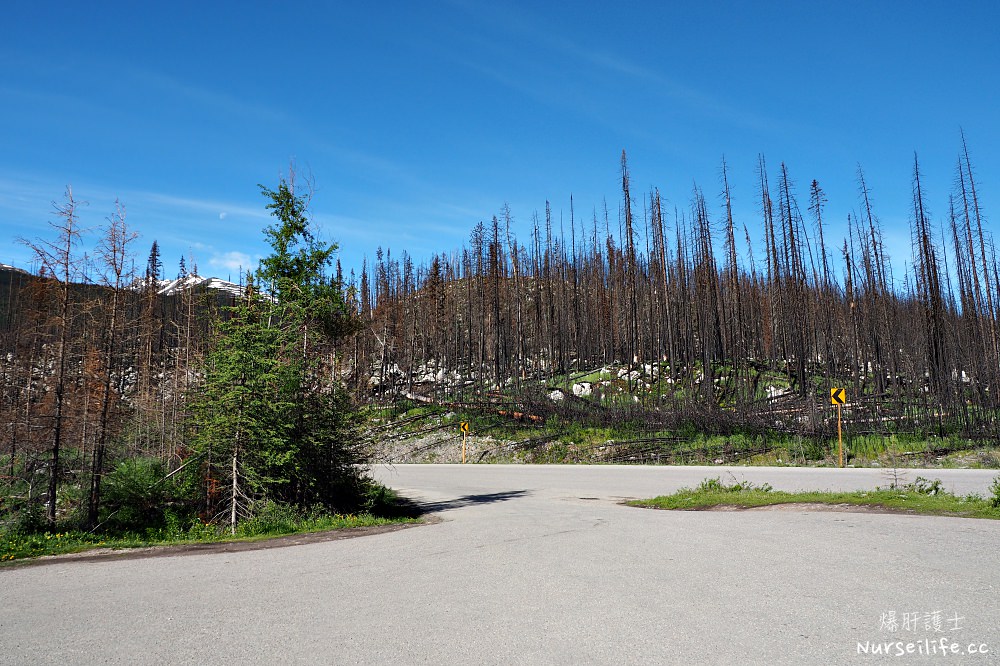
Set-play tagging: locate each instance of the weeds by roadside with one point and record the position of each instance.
(923, 496)
(270, 522)
(26, 538)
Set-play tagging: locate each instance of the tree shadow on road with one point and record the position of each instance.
(460, 502)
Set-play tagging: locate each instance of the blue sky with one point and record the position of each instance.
(418, 119)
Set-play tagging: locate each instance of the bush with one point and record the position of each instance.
(136, 498)
(271, 518)
(813, 449)
(995, 489)
(717, 485)
(28, 520)
(925, 487)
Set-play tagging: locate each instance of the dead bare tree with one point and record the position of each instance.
(60, 260)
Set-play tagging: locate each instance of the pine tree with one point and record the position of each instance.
(268, 413)
(238, 409)
(154, 265)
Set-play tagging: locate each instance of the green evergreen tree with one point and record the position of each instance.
(270, 417)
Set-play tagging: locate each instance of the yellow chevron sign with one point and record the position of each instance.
(465, 427)
(837, 396)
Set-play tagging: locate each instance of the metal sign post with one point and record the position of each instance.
(465, 436)
(838, 397)
(840, 439)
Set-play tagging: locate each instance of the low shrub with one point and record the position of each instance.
(717, 485)
(137, 498)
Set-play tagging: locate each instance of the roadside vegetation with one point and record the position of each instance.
(520, 429)
(269, 521)
(919, 497)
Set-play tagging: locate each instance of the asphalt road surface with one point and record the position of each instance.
(542, 565)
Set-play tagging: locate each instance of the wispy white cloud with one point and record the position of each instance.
(213, 99)
(215, 207)
(233, 261)
(182, 225)
(51, 99)
(545, 37)
(98, 72)
(33, 194)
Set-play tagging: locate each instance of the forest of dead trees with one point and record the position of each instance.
(712, 310)
(728, 322)
(96, 363)
(104, 364)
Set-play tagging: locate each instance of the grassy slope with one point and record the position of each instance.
(567, 441)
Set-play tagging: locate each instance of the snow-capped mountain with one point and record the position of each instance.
(167, 287)
(8, 267)
(171, 287)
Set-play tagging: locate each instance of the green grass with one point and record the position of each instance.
(593, 376)
(688, 445)
(921, 497)
(17, 545)
(574, 437)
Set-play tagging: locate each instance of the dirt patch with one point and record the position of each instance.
(104, 554)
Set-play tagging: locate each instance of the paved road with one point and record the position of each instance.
(540, 565)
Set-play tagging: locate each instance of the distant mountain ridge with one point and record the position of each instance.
(181, 284)
(164, 287)
(8, 267)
